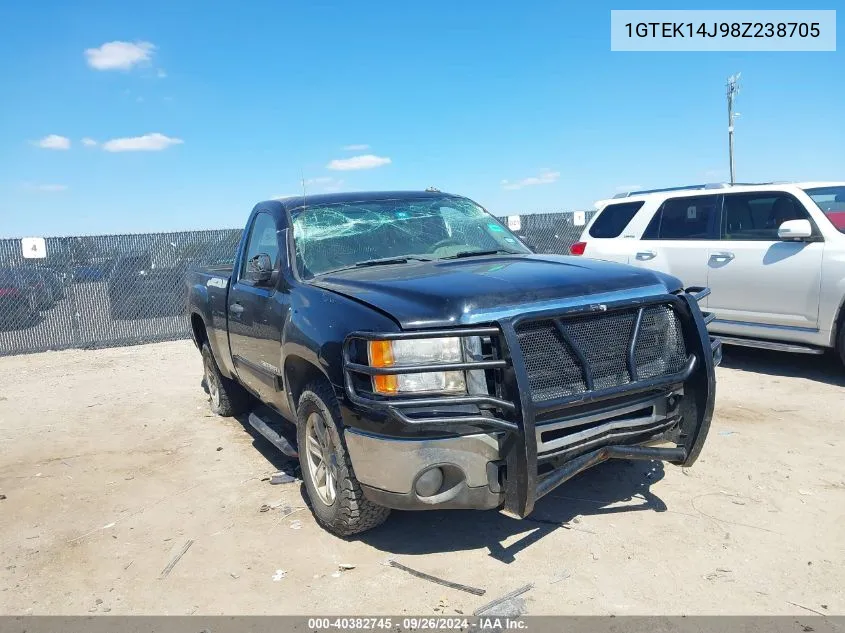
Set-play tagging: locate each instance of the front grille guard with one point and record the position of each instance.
(518, 410)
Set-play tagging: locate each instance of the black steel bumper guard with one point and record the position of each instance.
(516, 411)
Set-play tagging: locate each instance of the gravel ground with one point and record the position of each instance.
(111, 464)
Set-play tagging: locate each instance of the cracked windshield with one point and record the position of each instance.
(335, 237)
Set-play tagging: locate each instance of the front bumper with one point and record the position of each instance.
(389, 468)
(503, 448)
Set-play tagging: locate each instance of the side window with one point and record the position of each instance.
(757, 216)
(262, 239)
(692, 218)
(614, 218)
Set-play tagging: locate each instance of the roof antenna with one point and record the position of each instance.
(302, 180)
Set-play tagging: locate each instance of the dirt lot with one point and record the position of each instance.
(110, 462)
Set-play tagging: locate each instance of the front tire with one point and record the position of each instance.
(337, 501)
(227, 398)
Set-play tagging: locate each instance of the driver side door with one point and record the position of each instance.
(255, 311)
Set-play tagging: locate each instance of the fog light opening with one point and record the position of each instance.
(430, 482)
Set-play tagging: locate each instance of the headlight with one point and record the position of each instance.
(412, 352)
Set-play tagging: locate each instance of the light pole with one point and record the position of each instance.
(732, 92)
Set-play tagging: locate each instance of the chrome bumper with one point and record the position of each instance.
(388, 470)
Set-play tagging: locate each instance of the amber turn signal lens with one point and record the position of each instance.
(381, 355)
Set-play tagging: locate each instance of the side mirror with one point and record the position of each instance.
(795, 230)
(259, 268)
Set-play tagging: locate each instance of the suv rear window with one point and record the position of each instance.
(614, 218)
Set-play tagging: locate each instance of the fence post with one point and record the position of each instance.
(76, 330)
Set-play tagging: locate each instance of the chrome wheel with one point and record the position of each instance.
(322, 464)
(211, 382)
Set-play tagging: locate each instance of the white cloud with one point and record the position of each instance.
(161, 73)
(355, 148)
(365, 161)
(50, 188)
(54, 141)
(154, 142)
(89, 142)
(546, 177)
(119, 55)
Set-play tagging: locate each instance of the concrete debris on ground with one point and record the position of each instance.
(281, 478)
(561, 576)
(280, 573)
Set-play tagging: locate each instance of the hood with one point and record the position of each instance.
(483, 289)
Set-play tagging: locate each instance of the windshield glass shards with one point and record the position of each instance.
(341, 236)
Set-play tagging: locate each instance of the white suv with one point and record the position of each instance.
(773, 255)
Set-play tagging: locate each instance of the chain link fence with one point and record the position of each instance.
(113, 290)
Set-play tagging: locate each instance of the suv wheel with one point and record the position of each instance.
(337, 501)
(840, 347)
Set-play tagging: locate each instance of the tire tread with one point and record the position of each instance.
(354, 513)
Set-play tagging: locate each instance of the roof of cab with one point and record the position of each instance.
(295, 202)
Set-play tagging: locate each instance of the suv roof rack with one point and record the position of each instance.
(709, 185)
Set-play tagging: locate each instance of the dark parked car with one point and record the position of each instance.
(18, 304)
(90, 273)
(137, 289)
(38, 282)
(55, 281)
(430, 360)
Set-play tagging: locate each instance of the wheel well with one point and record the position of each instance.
(840, 324)
(198, 330)
(298, 374)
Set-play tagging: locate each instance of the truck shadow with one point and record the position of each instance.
(824, 368)
(592, 493)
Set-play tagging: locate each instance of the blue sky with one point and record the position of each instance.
(235, 101)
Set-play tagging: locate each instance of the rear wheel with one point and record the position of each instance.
(337, 501)
(227, 397)
(840, 347)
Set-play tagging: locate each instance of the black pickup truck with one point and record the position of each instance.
(428, 359)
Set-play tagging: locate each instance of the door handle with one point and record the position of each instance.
(722, 256)
(644, 256)
(236, 308)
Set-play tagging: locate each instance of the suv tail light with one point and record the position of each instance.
(578, 248)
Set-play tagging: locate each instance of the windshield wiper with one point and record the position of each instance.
(463, 254)
(383, 261)
(404, 259)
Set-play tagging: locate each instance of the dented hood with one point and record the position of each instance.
(446, 293)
